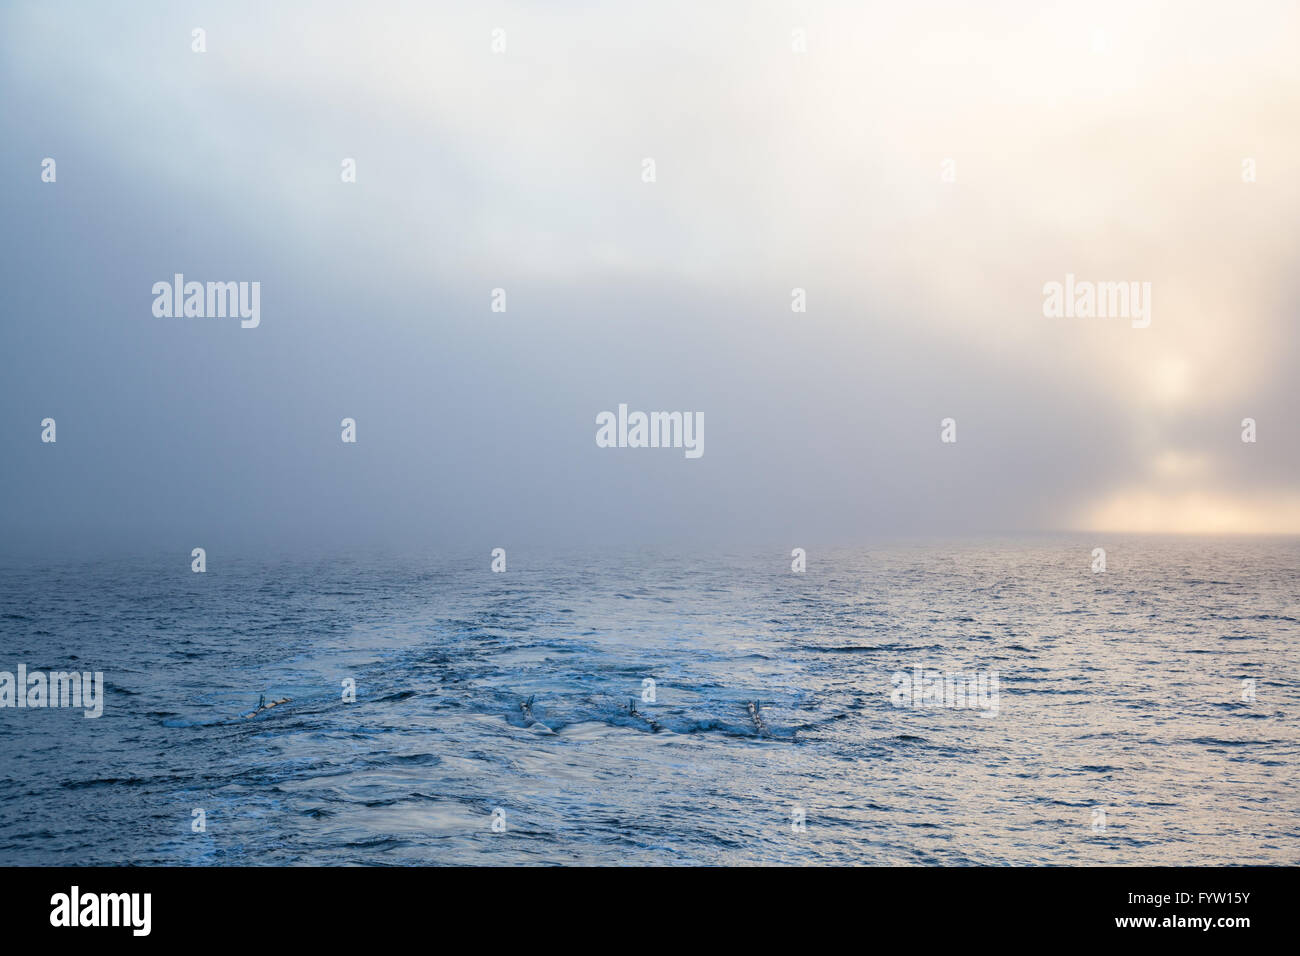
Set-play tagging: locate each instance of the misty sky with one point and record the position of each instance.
(1102, 139)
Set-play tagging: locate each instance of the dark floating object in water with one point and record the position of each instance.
(530, 719)
(631, 709)
(756, 716)
(263, 705)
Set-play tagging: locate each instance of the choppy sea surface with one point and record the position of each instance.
(1124, 733)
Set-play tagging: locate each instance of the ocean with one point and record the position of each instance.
(660, 708)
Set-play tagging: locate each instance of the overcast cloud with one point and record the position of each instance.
(1105, 140)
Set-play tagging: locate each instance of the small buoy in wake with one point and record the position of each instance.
(263, 705)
